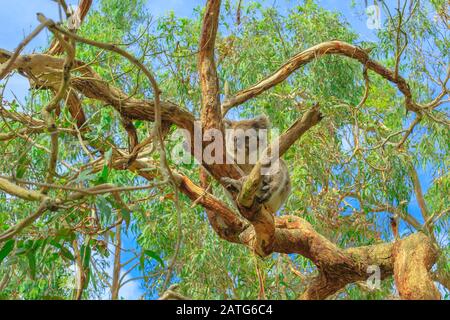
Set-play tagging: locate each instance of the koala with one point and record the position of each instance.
(245, 139)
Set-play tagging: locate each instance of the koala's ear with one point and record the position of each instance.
(226, 123)
(262, 122)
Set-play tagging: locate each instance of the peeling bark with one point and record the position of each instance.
(413, 261)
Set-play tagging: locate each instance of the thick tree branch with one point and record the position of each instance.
(303, 58)
(337, 267)
(418, 192)
(211, 117)
(44, 70)
(442, 277)
(414, 257)
(11, 232)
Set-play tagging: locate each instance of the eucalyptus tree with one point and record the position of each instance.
(93, 194)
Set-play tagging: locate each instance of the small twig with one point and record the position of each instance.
(409, 131)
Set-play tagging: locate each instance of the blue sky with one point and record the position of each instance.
(18, 19)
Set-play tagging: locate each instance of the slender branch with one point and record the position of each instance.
(11, 232)
(418, 192)
(46, 112)
(443, 277)
(115, 287)
(80, 276)
(156, 91)
(170, 294)
(5, 69)
(260, 217)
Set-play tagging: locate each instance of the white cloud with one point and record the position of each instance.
(131, 291)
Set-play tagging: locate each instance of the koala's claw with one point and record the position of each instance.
(263, 198)
(233, 183)
(264, 194)
(265, 191)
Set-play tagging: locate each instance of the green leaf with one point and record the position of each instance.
(141, 262)
(6, 249)
(103, 178)
(104, 208)
(32, 264)
(85, 253)
(66, 253)
(154, 255)
(85, 175)
(126, 215)
(22, 166)
(88, 278)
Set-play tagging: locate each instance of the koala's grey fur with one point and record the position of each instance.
(276, 185)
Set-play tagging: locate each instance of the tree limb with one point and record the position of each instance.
(317, 51)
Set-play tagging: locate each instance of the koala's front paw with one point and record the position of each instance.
(265, 192)
(232, 183)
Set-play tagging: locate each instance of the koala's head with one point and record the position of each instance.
(259, 122)
(245, 139)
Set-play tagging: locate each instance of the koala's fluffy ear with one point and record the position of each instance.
(227, 123)
(259, 122)
(262, 122)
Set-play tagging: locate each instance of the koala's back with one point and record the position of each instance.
(279, 184)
